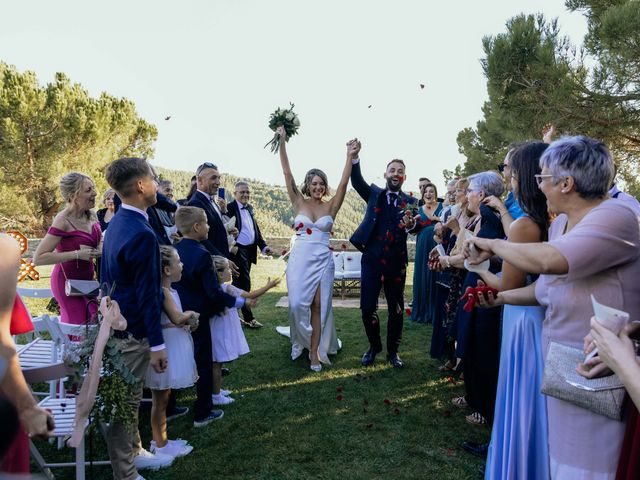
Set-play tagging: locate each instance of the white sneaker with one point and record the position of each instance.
(221, 399)
(178, 441)
(173, 450)
(146, 460)
(224, 392)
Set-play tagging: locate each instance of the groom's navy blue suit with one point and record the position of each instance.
(383, 243)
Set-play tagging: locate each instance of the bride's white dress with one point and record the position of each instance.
(311, 268)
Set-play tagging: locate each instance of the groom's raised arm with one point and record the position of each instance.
(363, 189)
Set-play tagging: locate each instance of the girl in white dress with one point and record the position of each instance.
(181, 371)
(310, 270)
(227, 338)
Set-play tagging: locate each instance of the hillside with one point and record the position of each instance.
(271, 204)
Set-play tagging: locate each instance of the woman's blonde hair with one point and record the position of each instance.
(71, 184)
(308, 178)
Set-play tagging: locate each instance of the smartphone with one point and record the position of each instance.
(221, 192)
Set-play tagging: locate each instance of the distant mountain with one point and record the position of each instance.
(271, 204)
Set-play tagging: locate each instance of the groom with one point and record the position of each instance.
(382, 238)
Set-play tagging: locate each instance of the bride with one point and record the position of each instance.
(310, 270)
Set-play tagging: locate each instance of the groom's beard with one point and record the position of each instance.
(394, 184)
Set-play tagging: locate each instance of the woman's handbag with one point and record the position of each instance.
(604, 396)
(80, 288)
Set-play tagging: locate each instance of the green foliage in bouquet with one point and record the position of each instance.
(286, 118)
(116, 382)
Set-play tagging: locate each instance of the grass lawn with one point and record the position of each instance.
(345, 422)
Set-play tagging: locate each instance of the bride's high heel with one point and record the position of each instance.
(315, 368)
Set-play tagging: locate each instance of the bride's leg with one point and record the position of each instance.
(315, 328)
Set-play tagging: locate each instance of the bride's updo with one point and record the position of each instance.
(306, 186)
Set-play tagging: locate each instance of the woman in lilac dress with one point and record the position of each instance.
(592, 250)
(72, 243)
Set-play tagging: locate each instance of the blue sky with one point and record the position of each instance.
(219, 68)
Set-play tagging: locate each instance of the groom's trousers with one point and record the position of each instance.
(391, 276)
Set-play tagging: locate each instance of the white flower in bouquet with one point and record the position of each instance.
(286, 118)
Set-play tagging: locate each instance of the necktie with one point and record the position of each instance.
(393, 198)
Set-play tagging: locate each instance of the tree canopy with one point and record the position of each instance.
(536, 76)
(49, 130)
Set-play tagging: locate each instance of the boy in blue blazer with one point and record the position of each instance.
(200, 291)
(131, 262)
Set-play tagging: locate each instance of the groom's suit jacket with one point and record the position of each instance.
(367, 237)
(216, 241)
(259, 243)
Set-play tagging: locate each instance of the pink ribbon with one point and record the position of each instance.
(111, 319)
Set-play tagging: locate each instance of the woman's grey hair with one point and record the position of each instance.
(110, 192)
(71, 184)
(306, 186)
(490, 182)
(585, 159)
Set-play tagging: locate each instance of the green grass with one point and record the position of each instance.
(288, 423)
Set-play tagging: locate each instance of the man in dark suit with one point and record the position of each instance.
(208, 181)
(382, 238)
(131, 263)
(248, 242)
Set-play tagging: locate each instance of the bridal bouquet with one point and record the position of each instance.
(286, 118)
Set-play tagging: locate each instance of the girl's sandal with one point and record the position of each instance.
(459, 402)
(476, 419)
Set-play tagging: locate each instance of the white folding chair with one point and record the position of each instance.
(63, 411)
(338, 278)
(352, 271)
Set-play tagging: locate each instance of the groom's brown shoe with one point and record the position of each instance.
(369, 356)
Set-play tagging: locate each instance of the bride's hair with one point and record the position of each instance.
(314, 172)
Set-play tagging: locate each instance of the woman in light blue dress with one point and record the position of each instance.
(519, 439)
(424, 280)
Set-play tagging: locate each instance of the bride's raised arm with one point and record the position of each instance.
(294, 194)
(353, 148)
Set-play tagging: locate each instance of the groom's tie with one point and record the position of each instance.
(393, 199)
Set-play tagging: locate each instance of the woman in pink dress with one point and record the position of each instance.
(72, 243)
(592, 250)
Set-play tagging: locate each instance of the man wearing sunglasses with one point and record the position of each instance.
(208, 182)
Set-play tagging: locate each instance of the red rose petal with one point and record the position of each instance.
(376, 210)
(309, 231)
(451, 380)
(401, 225)
(411, 194)
(339, 398)
(343, 246)
(283, 253)
(387, 402)
(300, 225)
(407, 311)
